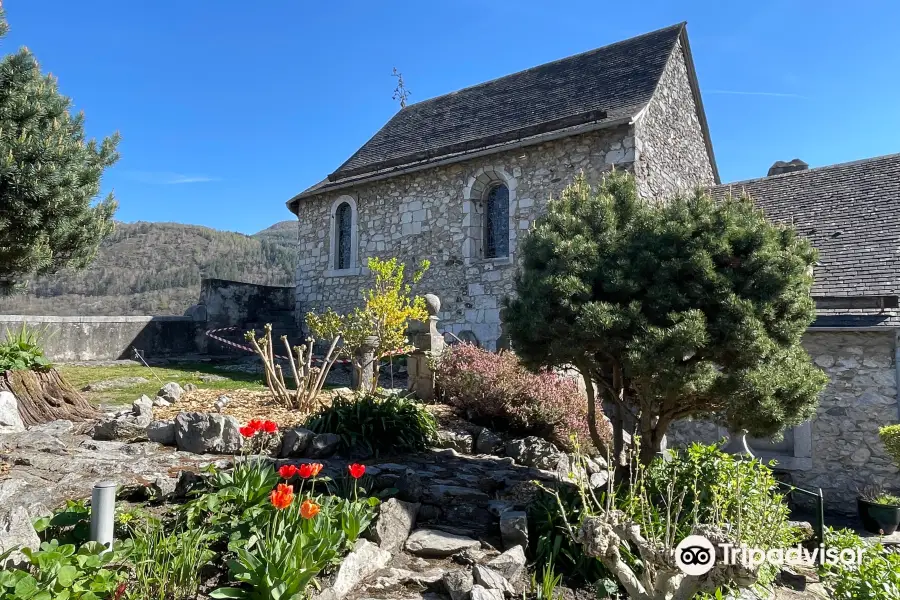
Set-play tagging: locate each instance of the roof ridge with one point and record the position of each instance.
(680, 25)
(811, 170)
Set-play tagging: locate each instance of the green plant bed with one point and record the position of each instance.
(376, 424)
(249, 532)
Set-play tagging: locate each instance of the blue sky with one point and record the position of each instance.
(228, 108)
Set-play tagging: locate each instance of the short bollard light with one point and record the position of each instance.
(103, 511)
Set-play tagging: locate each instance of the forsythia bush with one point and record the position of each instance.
(498, 391)
(890, 437)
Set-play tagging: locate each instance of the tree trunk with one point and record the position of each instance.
(45, 397)
(596, 440)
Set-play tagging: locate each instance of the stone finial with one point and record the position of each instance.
(432, 305)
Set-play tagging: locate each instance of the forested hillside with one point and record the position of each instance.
(155, 269)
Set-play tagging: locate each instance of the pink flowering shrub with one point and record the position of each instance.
(497, 391)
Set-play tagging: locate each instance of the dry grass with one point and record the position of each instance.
(244, 405)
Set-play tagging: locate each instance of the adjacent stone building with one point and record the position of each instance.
(458, 180)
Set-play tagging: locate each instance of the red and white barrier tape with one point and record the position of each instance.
(211, 333)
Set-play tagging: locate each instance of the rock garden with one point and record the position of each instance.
(541, 474)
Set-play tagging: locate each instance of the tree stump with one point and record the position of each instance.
(46, 396)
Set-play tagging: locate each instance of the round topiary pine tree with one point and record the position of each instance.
(49, 175)
(688, 308)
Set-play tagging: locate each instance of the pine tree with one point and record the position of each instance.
(689, 308)
(49, 175)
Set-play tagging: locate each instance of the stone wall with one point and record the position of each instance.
(845, 453)
(433, 214)
(111, 338)
(671, 150)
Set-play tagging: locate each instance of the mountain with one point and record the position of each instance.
(155, 269)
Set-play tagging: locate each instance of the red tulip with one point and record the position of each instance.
(287, 471)
(247, 431)
(305, 470)
(256, 424)
(356, 470)
(269, 426)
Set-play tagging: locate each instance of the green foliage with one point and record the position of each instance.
(545, 589)
(389, 306)
(376, 423)
(167, 566)
(155, 268)
(22, 350)
(62, 572)
(550, 541)
(684, 308)
(890, 437)
(876, 578)
(70, 525)
(49, 175)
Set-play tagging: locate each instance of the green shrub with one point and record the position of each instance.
(877, 577)
(376, 424)
(890, 437)
(21, 350)
(167, 566)
(703, 484)
(70, 525)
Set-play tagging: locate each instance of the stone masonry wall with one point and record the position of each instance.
(846, 453)
(426, 215)
(671, 151)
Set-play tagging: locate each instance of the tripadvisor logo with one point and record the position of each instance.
(696, 555)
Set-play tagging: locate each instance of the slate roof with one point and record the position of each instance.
(608, 85)
(850, 212)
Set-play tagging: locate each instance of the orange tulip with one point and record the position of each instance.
(309, 509)
(315, 468)
(282, 496)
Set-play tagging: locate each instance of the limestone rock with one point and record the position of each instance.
(123, 428)
(537, 452)
(190, 387)
(458, 584)
(365, 559)
(294, 442)
(161, 403)
(162, 432)
(514, 528)
(171, 392)
(16, 531)
(461, 441)
(10, 419)
(212, 378)
(491, 579)
(205, 433)
(142, 407)
(324, 445)
(510, 564)
(488, 442)
(396, 520)
(482, 593)
(438, 544)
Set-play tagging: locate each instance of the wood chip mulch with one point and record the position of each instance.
(243, 406)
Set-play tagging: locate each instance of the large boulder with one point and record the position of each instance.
(162, 432)
(365, 559)
(295, 442)
(433, 543)
(324, 445)
(510, 564)
(10, 419)
(395, 520)
(539, 453)
(488, 442)
(460, 440)
(142, 407)
(122, 428)
(205, 433)
(16, 531)
(171, 392)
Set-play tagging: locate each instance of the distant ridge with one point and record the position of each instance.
(155, 269)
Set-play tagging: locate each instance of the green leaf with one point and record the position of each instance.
(229, 593)
(66, 575)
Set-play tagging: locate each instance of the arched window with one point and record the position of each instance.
(496, 222)
(343, 235)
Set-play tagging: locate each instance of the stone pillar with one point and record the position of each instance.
(364, 365)
(429, 344)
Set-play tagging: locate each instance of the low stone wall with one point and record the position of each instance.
(839, 451)
(231, 303)
(111, 338)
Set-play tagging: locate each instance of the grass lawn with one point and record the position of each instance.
(80, 376)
